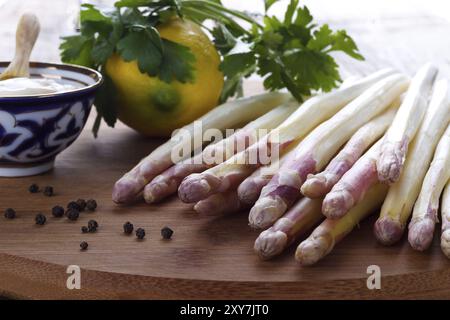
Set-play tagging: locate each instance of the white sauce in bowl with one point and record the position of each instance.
(17, 87)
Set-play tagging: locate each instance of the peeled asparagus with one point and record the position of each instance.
(220, 204)
(303, 216)
(226, 116)
(424, 219)
(402, 195)
(351, 189)
(405, 125)
(168, 182)
(331, 231)
(310, 114)
(445, 210)
(316, 150)
(320, 184)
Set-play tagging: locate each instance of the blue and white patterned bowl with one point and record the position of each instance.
(35, 128)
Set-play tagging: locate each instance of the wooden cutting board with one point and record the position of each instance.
(208, 257)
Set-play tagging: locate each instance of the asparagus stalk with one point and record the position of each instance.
(303, 216)
(322, 107)
(331, 231)
(231, 173)
(352, 188)
(316, 150)
(228, 115)
(405, 125)
(445, 236)
(250, 189)
(320, 184)
(168, 182)
(220, 204)
(424, 219)
(402, 195)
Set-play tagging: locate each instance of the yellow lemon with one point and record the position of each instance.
(156, 108)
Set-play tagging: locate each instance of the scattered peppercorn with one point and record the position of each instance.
(73, 214)
(91, 205)
(48, 191)
(73, 205)
(10, 213)
(140, 233)
(40, 219)
(84, 229)
(92, 225)
(57, 211)
(166, 233)
(82, 204)
(128, 227)
(34, 188)
(84, 245)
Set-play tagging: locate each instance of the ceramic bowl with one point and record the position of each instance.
(34, 129)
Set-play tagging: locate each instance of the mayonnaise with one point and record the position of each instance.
(16, 87)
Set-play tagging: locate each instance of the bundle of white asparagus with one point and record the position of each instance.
(381, 141)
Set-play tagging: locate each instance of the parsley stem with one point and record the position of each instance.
(221, 8)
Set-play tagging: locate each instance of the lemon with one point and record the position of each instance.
(156, 108)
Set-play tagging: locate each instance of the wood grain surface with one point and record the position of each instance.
(208, 257)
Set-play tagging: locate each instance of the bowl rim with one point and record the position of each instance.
(94, 74)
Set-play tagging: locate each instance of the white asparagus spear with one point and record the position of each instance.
(405, 125)
(403, 194)
(231, 173)
(250, 189)
(316, 150)
(26, 36)
(325, 237)
(318, 185)
(226, 116)
(445, 210)
(303, 216)
(424, 219)
(352, 187)
(220, 204)
(167, 183)
(322, 107)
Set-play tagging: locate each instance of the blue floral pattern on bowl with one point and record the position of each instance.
(34, 129)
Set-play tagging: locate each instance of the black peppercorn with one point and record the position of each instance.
(40, 219)
(84, 245)
(73, 205)
(91, 205)
(73, 214)
(10, 213)
(34, 188)
(92, 225)
(48, 191)
(128, 227)
(82, 204)
(140, 233)
(166, 233)
(57, 211)
(84, 229)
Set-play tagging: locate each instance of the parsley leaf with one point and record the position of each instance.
(295, 53)
(268, 4)
(176, 63)
(139, 46)
(235, 67)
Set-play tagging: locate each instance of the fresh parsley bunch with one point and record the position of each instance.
(293, 53)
